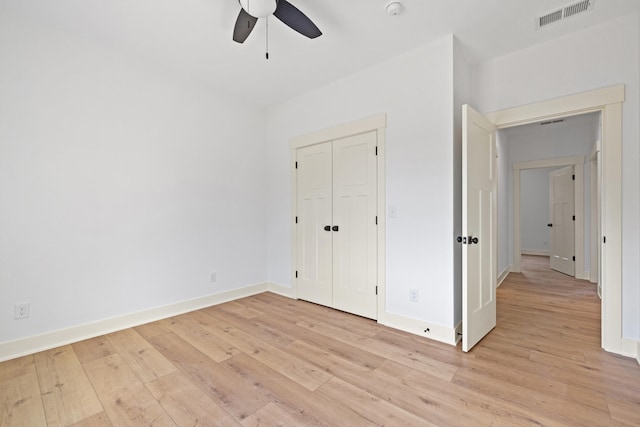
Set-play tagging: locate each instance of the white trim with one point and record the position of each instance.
(566, 106)
(366, 124)
(609, 102)
(503, 275)
(281, 290)
(638, 352)
(422, 328)
(536, 252)
(578, 163)
(375, 123)
(49, 340)
(594, 195)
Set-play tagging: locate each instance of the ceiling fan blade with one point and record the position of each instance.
(244, 25)
(298, 21)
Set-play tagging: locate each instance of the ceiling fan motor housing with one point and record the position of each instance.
(259, 8)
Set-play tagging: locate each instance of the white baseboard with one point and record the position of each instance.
(503, 275)
(638, 352)
(419, 327)
(539, 252)
(281, 290)
(49, 340)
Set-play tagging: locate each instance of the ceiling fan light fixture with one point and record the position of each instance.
(259, 8)
(394, 8)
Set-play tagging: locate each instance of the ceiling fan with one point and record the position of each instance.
(281, 9)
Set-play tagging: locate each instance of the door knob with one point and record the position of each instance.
(335, 228)
(473, 240)
(327, 228)
(549, 225)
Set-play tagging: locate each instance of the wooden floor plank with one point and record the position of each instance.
(20, 401)
(378, 411)
(189, 330)
(124, 398)
(186, 404)
(98, 420)
(309, 407)
(215, 380)
(67, 394)
(144, 360)
(271, 415)
(288, 365)
(17, 367)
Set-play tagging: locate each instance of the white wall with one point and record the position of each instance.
(600, 56)
(534, 187)
(419, 104)
(121, 187)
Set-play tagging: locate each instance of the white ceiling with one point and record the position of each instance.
(193, 37)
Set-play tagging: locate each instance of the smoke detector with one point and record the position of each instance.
(394, 8)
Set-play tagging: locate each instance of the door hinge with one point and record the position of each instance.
(296, 274)
(296, 165)
(573, 177)
(376, 150)
(296, 220)
(376, 290)
(604, 239)
(574, 217)
(376, 219)
(574, 258)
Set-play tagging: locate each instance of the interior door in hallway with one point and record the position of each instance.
(561, 216)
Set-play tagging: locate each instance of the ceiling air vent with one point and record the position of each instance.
(564, 12)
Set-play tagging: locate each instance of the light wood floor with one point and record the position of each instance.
(267, 360)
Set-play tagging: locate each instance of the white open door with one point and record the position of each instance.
(479, 227)
(562, 221)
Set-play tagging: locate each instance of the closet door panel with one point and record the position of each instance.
(354, 213)
(315, 206)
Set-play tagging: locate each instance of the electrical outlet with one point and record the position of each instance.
(413, 295)
(21, 311)
(213, 277)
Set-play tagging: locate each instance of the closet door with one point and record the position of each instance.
(354, 225)
(314, 241)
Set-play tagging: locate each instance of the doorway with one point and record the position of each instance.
(607, 101)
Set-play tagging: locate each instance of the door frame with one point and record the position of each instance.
(608, 101)
(376, 123)
(578, 200)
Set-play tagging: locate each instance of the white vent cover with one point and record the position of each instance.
(564, 12)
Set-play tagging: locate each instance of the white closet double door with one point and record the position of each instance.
(336, 229)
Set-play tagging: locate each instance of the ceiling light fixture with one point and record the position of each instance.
(394, 8)
(259, 8)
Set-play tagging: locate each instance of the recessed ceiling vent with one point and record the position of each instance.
(564, 13)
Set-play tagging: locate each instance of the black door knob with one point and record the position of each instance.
(473, 240)
(549, 225)
(335, 228)
(327, 228)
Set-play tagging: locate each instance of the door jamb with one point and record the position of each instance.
(377, 123)
(607, 101)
